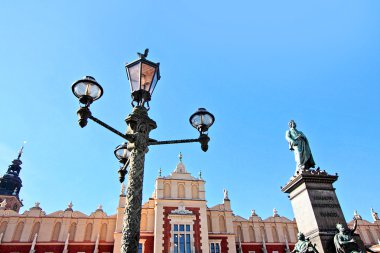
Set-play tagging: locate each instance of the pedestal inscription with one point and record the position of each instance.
(316, 207)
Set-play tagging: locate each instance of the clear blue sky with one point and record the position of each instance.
(254, 64)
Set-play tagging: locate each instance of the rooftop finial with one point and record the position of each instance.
(122, 191)
(160, 173)
(180, 156)
(225, 193)
(70, 206)
(374, 214)
(275, 213)
(21, 151)
(200, 174)
(357, 216)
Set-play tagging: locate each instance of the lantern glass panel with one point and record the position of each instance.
(134, 77)
(196, 121)
(154, 82)
(122, 153)
(85, 88)
(147, 73)
(202, 120)
(206, 119)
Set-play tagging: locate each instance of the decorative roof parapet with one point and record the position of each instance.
(181, 210)
(36, 206)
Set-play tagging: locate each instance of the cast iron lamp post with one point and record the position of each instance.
(143, 76)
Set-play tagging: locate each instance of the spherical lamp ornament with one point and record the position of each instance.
(143, 76)
(202, 120)
(87, 90)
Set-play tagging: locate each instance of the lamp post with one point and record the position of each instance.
(143, 76)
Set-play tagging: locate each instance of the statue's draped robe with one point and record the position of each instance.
(302, 246)
(345, 244)
(300, 145)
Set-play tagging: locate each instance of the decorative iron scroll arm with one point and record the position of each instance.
(203, 140)
(154, 142)
(127, 137)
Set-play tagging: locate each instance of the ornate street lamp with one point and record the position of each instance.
(87, 90)
(122, 154)
(143, 76)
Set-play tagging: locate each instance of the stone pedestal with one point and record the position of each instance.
(316, 207)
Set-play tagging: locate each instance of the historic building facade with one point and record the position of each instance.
(175, 219)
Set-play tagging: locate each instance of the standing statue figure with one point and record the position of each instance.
(374, 214)
(303, 245)
(299, 144)
(344, 241)
(225, 193)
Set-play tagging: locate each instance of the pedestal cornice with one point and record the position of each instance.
(309, 176)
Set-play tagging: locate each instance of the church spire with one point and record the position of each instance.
(21, 151)
(11, 183)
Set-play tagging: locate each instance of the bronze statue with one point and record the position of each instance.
(304, 245)
(344, 241)
(300, 145)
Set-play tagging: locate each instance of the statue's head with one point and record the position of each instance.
(340, 227)
(301, 236)
(292, 124)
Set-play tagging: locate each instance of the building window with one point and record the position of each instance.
(181, 191)
(182, 238)
(215, 247)
(209, 224)
(72, 231)
(222, 224)
(167, 191)
(103, 232)
(35, 230)
(140, 248)
(88, 232)
(274, 234)
(194, 192)
(18, 231)
(56, 231)
(240, 237)
(3, 227)
(252, 236)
